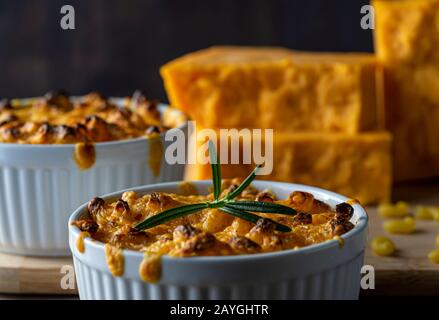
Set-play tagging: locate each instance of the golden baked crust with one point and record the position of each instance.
(211, 232)
(58, 119)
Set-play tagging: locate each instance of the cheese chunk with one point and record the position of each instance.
(244, 87)
(358, 166)
(407, 44)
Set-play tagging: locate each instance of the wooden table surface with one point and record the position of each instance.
(408, 271)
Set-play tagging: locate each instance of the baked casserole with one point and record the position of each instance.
(197, 270)
(209, 232)
(58, 151)
(57, 118)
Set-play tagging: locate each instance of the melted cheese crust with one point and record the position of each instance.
(57, 119)
(211, 232)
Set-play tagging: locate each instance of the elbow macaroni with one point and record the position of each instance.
(427, 213)
(398, 210)
(434, 212)
(383, 246)
(404, 226)
(434, 256)
(423, 213)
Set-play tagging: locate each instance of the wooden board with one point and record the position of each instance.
(31, 275)
(409, 272)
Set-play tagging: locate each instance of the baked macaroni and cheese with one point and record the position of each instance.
(209, 232)
(57, 118)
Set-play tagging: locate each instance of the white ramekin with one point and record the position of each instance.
(40, 185)
(321, 271)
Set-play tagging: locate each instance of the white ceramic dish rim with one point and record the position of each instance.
(162, 107)
(358, 210)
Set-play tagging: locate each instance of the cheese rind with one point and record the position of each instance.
(407, 44)
(238, 87)
(358, 166)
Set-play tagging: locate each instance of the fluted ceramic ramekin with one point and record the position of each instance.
(40, 185)
(320, 271)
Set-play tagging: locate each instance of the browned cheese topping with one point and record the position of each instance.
(58, 119)
(210, 232)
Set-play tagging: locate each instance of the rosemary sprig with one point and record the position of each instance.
(170, 214)
(227, 204)
(243, 185)
(265, 207)
(216, 171)
(251, 217)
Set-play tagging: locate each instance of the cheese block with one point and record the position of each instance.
(239, 87)
(407, 44)
(358, 166)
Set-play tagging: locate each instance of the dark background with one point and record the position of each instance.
(118, 46)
